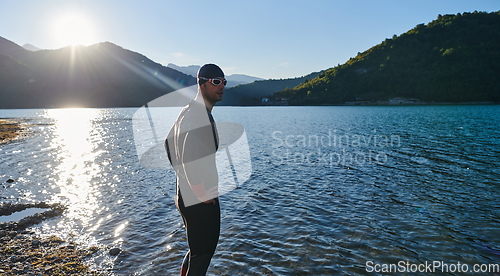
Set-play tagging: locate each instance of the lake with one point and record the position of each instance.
(333, 189)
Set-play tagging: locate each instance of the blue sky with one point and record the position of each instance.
(268, 39)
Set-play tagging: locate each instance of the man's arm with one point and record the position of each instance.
(199, 164)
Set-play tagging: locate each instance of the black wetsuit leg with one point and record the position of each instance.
(202, 223)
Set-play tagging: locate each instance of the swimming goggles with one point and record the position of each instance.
(215, 82)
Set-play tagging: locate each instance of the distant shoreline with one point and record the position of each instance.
(418, 103)
(381, 104)
(8, 125)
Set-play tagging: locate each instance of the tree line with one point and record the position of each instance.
(455, 58)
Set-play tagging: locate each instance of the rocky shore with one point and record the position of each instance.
(10, 129)
(24, 253)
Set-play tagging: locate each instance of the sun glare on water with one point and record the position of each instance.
(75, 172)
(73, 29)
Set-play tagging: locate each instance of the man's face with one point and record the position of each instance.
(212, 93)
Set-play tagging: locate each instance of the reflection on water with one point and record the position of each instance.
(79, 170)
(75, 152)
(21, 214)
(435, 199)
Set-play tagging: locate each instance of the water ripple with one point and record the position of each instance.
(434, 198)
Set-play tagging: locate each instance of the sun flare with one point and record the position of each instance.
(73, 29)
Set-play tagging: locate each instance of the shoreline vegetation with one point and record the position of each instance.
(391, 102)
(451, 59)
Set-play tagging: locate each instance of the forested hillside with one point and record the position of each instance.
(455, 58)
(251, 94)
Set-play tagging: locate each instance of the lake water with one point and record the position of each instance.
(333, 190)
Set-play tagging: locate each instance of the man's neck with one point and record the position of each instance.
(208, 104)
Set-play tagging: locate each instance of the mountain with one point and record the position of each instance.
(191, 70)
(11, 49)
(100, 75)
(232, 80)
(455, 58)
(238, 79)
(30, 47)
(251, 94)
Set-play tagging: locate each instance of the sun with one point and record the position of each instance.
(73, 29)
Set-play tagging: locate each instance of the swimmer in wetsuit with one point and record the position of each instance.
(191, 146)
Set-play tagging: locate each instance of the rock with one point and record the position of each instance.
(114, 251)
(13, 233)
(24, 221)
(67, 247)
(2, 233)
(43, 205)
(13, 259)
(10, 180)
(35, 243)
(12, 225)
(5, 239)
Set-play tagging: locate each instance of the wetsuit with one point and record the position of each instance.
(191, 146)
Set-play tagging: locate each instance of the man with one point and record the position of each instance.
(191, 147)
